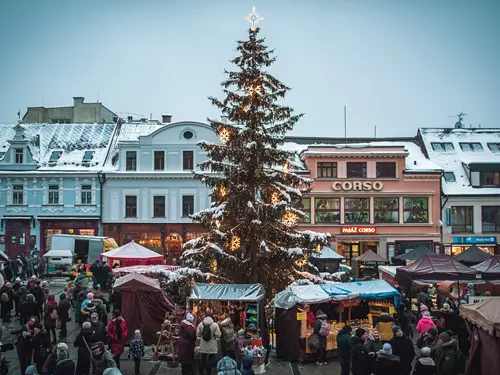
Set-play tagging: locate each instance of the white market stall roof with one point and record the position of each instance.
(228, 292)
(390, 270)
(131, 250)
(328, 253)
(374, 289)
(58, 253)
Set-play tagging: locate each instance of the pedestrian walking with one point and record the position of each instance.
(63, 312)
(84, 340)
(50, 316)
(386, 363)
(59, 352)
(117, 333)
(41, 346)
(186, 344)
(136, 351)
(402, 346)
(425, 323)
(101, 359)
(6, 301)
(449, 360)
(360, 360)
(344, 349)
(28, 309)
(322, 330)
(209, 332)
(425, 364)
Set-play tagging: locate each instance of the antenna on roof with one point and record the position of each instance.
(459, 124)
(375, 126)
(97, 97)
(345, 124)
(19, 115)
(150, 115)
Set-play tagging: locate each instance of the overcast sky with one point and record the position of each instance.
(396, 64)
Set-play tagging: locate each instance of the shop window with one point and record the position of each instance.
(130, 206)
(471, 147)
(490, 218)
(19, 156)
(159, 160)
(159, 206)
(449, 177)
(357, 210)
(327, 210)
(304, 205)
(494, 147)
(386, 169)
(187, 160)
(386, 210)
(86, 194)
(416, 210)
(489, 178)
(187, 205)
(131, 161)
(18, 194)
(356, 170)
(326, 170)
(53, 194)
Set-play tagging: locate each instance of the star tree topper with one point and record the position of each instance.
(253, 18)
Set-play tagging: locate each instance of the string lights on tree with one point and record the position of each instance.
(260, 200)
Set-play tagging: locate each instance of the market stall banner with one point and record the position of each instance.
(228, 292)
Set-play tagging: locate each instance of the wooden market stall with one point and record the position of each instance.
(132, 254)
(353, 303)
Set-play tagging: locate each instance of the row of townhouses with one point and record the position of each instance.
(82, 170)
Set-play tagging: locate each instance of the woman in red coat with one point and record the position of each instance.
(117, 333)
(187, 340)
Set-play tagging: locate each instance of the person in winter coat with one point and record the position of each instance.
(425, 364)
(24, 346)
(209, 332)
(402, 346)
(247, 363)
(50, 316)
(227, 366)
(360, 360)
(101, 359)
(28, 309)
(136, 351)
(63, 313)
(228, 337)
(65, 367)
(16, 288)
(448, 358)
(117, 333)
(6, 301)
(41, 346)
(39, 296)
(344, 349)
(373, 343)
(98, 327)
(31, 370)
(425, 323)
(449, 320)
(186, 344)
(384, 323)
(386, 363)
(404, 320)
(112, 371)
(85, 339)
(429, 339)
(59, 352)
(321, 330)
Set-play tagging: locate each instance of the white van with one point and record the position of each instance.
(67, 250)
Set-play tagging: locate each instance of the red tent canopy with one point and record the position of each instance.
(144, 305)
(132, 254)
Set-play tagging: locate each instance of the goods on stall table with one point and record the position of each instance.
(377, 308)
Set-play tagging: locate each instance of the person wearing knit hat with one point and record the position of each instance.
(425, 364)
(444, 337)
(31, 370)
(86, 325)
(28, 309)
(402, 347)
(361, 360)
(448, 356)
(189, 317)
(386, 363)
(62, 351)
(186, 344)
(360, 333)
(65, 367)
(137, 351)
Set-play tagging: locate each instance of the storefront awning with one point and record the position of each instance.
(17, 217)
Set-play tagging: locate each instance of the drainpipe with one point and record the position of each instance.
(102, 180)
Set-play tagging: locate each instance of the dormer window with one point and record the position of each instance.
(19, 156)
(2, 154)
(55, 156)
(494, 147)
(88, 156)
(442, 147)
(449, 177)
(471, 147)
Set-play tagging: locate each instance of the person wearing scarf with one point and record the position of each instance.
(186, 344)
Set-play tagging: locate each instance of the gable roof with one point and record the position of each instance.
(131, 250)
(72, 139)
(473, 255)
(490, 268)
(370, 256)
(415, 254)
(327, 253)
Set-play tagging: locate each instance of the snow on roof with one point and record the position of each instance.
(415, 161)
(72, 139)
(454, 160)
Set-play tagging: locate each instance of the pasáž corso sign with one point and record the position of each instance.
(357, 186)
(358, 230)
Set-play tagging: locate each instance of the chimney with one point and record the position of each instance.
(144, 119)
(78, 100)
(129, 119)
(223, 119)
(166, 118)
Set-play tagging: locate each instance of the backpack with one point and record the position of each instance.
(206, 333)
(325, 328)
(227, 334)
(4, 297)
(53, 314)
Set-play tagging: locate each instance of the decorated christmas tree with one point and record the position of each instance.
(256, 194)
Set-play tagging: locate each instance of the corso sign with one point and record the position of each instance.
(359, 230)
(357, 185)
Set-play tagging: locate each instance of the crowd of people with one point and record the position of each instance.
(40, 338)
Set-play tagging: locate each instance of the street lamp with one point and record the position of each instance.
(440, 225)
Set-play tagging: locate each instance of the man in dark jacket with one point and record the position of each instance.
(7, 301)
(63, 314)
(28, 309)
(360, 360)
(386, 363)
(429, 339)
(448, 358)
(39, 295)
(41, 346)
(402, 346)
(98, 327)
(344, 349)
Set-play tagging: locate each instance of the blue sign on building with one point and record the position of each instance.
(477, 240)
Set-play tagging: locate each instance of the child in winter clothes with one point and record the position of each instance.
(136, 351)
(227, 366)
(247, 363)
(425, 364)
(425, 323)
